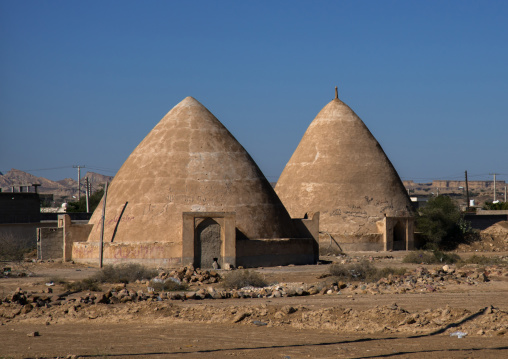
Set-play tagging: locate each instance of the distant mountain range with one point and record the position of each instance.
(67, 187)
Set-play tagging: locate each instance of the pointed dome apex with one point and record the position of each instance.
(189, 100)
(189, 162)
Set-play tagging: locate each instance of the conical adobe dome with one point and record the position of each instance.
(340, 170)
(189, 162)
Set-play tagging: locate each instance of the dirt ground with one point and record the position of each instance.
(349, 324)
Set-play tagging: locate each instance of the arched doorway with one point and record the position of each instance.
(207, 244)
(399, 237)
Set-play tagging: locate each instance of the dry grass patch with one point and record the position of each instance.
(482, 261)
(125, 273)
(431, 257)
(87, 284)
(242, 278)
(362, 272)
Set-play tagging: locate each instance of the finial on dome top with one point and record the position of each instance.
(336, 92)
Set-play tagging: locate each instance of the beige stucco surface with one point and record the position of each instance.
(189, 162)
(340, 170)
(150, 254)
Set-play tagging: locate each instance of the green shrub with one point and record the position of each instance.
(431, 257)
(243, 278)
(495, 206)
(440, 223)
(125, 273)
(363, 271)
(80, 206)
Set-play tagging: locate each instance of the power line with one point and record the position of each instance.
(106, 169)
(103, 169)
(445, 178)
(47, 169)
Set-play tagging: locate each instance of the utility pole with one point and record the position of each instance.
(101, 243)
(87, 192)
(467, 195)
(494, 184)
(79, 179)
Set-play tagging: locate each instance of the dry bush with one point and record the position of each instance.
(243, 278)
(87, 284)
(125, 273)
(168, 285)
(363, 271)
(14, 248)
(330, 251)
(427, 257)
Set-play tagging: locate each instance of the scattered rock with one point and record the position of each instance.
(241, 316)
(288, 309)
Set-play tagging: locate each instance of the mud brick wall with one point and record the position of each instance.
(274, 252)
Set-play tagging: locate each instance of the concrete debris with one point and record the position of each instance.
(419, 280)
(458, 334)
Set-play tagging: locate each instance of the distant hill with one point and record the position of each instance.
(68, 182)
(97, 178)
(65, 188)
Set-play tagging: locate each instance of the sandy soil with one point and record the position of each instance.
(346, 325)
(178, 340)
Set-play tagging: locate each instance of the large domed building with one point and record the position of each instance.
(191, 194)
(340, 170)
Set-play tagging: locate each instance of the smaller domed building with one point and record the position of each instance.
(340, 170)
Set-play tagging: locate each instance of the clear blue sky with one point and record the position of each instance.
(83, 82)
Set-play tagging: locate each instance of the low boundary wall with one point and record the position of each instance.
(249, 253)
(149, 254)
(275, 252)
(483, 221)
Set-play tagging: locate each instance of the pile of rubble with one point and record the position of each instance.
(425, 280)
(491, 239)
(419, 280)
(122, 302)
(192, 275)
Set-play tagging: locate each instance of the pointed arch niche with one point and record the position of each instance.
(398, 233)
(195, 224)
